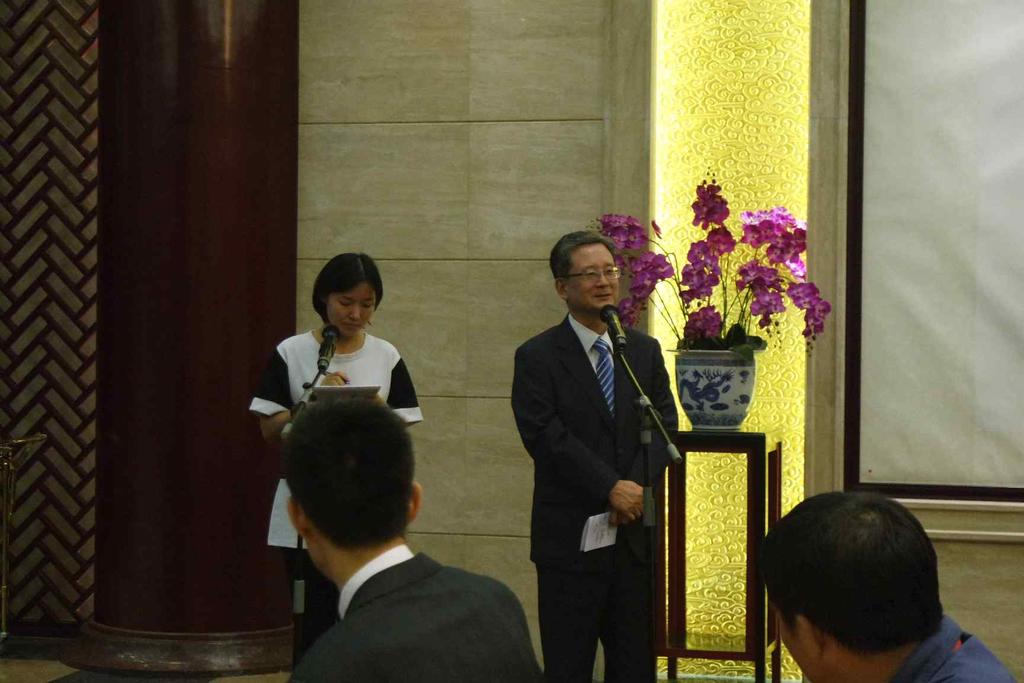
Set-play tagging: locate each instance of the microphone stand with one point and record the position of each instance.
(299, 569)
(298, 601)
(649, 417)
(323, 362)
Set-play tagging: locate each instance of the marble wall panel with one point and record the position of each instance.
(447, 191)
(384, 60)
(441, 468)
(475, 474)
(980, 585)
(393, 191)
(627, 157)
(451, 60)
(500, 469)
(428, 320)
(826, 57)
(530, 183)
(974, 517)
(827, 240)
(536, 59)
(512, 301)
(305, 275)
(424, 314)
(825, 368)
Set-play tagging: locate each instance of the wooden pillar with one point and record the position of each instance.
(198, 185)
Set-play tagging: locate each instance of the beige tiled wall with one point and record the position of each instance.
(454, 141)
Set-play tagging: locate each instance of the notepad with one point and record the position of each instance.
(334, 392)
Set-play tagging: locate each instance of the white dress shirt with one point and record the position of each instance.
(385, 560)
(587, 338)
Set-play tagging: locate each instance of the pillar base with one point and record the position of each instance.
(101, 647)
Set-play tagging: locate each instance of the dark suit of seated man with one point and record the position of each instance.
(855, 579)
(403, 617)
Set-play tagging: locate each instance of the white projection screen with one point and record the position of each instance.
(942, 280)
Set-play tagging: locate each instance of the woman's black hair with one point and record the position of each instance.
(342, 273)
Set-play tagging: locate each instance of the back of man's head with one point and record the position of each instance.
(349, 466)
(859, 567)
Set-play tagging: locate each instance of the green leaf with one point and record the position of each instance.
(735, 336)
(745, 351)
(758, 343)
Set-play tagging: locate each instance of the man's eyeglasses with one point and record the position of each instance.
(610, 274)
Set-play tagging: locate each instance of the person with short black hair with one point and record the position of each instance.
(560, 259)
(343, 273)
(352, 467)
(346, 293)
(349, 466)
(574, 407)
(854, 578)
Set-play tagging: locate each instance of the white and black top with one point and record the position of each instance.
(293, 364)
(376, 364)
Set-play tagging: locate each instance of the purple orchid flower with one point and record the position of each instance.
(626, 231)
(702, 323)
(752, 274)
(711, 208)
(701, 274)
(720, 241)
(649, 268)
(630, 310)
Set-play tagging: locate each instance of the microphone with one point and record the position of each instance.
(330, 334)
(610, 315)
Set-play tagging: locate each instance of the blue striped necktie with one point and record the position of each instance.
(605, 373)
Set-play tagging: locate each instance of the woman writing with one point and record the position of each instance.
(345, 294)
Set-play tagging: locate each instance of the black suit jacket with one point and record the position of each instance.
(421, 621)
(579, 450)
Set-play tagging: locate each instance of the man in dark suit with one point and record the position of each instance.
(349, 466)
(577, 419)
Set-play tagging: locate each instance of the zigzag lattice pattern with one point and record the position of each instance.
(48, 196)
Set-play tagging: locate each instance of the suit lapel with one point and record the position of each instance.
(577, 363)
(626, 415)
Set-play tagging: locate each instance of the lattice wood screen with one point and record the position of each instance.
(48, 123)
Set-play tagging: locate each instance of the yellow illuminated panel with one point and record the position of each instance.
(731, 95)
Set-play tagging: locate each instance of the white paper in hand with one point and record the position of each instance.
(598, 533)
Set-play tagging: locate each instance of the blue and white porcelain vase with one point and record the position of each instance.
(715, 388)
